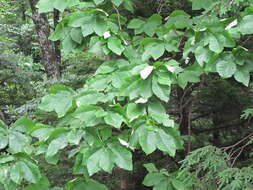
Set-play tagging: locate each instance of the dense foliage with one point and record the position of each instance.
(165, 79)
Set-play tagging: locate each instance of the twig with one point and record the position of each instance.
(237, 156)
(239, 142)
(118, 16)
(189, 130)
(181, 106)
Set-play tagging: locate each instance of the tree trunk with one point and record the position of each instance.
(50, 58)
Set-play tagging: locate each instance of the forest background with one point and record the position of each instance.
(126, 94)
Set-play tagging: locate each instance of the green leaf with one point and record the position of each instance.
(129, 5)
(117, 2)
(166, 142)
(106, 160)
(45, 6)
(76, 35)
(188, 76)
(123, 157)
(3, 141)
(42, 184)
(92, 185)
(16, 173)
(199, 4)
(68, 45)
(147, 140)
(246, 25)
(134, 111)
(178, 184)
(164, 184)
(226, 68)
(23, 124)
(6, 158)
(81, 184)
(100, 26)
(107, 67)
(61, 5)
(56, 145)
(18, 141)
(75, 136)
(87, 30)
(88, 114)
(214, 44)
(42, 132)
(203, 55)
(135, 23)
(158, 113)
(242, 77)
(156, 50)
(114, 44)
(60, 102)
(114, 119)
(152, 179)
(97, 2)
(30, 172)
(161, 91)
(179, 19)
(150, 167)
(152, 23)
(93, 162)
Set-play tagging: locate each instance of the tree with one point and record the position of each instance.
(50, 53)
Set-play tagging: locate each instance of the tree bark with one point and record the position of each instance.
(50, 58)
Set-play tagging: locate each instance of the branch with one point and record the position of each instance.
(197, 131)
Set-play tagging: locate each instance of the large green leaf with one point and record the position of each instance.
(114, 119)
(81, 184)
(30, 172)
(134, 111)
(16, 173)
(158, 113)
(99, 26)
(215, 44)
(18, 141)
(135, 24)
(155, 50)
(152, 179)
(68, 45)
(60, 5)
(152, 23)
(23, 124)
(89, 115)
(166, 142)
(76, 35)
(117, 2)
(60, 102)
(123, 157)
(97, 2)
(242, 76)
(114, 44)
(93, 162)
(45, 6)
(56, 145)
(161, 91)
(203, 55)
(246, 25)
(3, 135)
(147, 140)
(25, 170)
(188, 76)
(199, 4)
(101, 159)
(226, 68)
